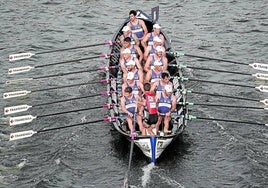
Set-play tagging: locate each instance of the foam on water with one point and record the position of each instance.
(147, 174)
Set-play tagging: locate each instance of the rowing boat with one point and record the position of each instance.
(152, 147)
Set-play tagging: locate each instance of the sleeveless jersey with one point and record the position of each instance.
(164, 105)
(137, 29)
(131, 104)
(155, 76)
(150, 102)
(135, 88)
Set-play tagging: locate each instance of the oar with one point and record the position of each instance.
(29, 118)
(257, 75)
(132, 135)
(24, 107)
(261, 88)
(264, 101)
(29, 133)
(17, 70)
(56, 75)
(190, 117)
(14, 57)
(223, 105)
(257, 66)
(20, 93)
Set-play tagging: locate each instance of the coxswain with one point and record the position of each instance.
(151, 117)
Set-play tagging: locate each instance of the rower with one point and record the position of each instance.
(150, 111)
(166, 102)
(148, 39)
(131, 67)
(135, 50)
(150, 50)
(137, 25)
(136, 85)
(155, 73)
(157, 56)
(159, 86)
(126, 57)
(129, 105)
(128, 33)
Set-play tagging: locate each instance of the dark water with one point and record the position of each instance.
(209, 154)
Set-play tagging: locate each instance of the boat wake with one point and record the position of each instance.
(147, 174)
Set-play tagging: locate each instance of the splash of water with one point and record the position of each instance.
(147, 174)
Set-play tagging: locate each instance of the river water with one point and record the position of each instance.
(209, 153)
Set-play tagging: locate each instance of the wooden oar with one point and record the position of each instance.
(24, 107)
(260, 76)
(56, 75)
(20, 93)
(223, 105)
(261, 88)
(257, 66)
(23, 69)
(29, 133)
(264, 101)
(14, 57)
(29, 118)
(191, 117)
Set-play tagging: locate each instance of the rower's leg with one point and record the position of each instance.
(158, 123)
(130, 124)
(166, 123)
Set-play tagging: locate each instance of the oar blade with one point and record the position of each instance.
(18, 70)
(15, 94)
(21, 135)
(16, 109)
(261, 76)
(259, 66)
(18, 80)
(262, 88)
(21, 120)
(264, 101)
(15, 57)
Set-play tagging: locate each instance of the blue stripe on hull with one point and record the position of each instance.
(153, 144)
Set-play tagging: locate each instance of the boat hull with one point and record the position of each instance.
(152, 147)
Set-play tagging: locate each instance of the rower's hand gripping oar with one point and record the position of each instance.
(14, 57)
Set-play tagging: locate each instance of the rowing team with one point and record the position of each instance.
(147, 93)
